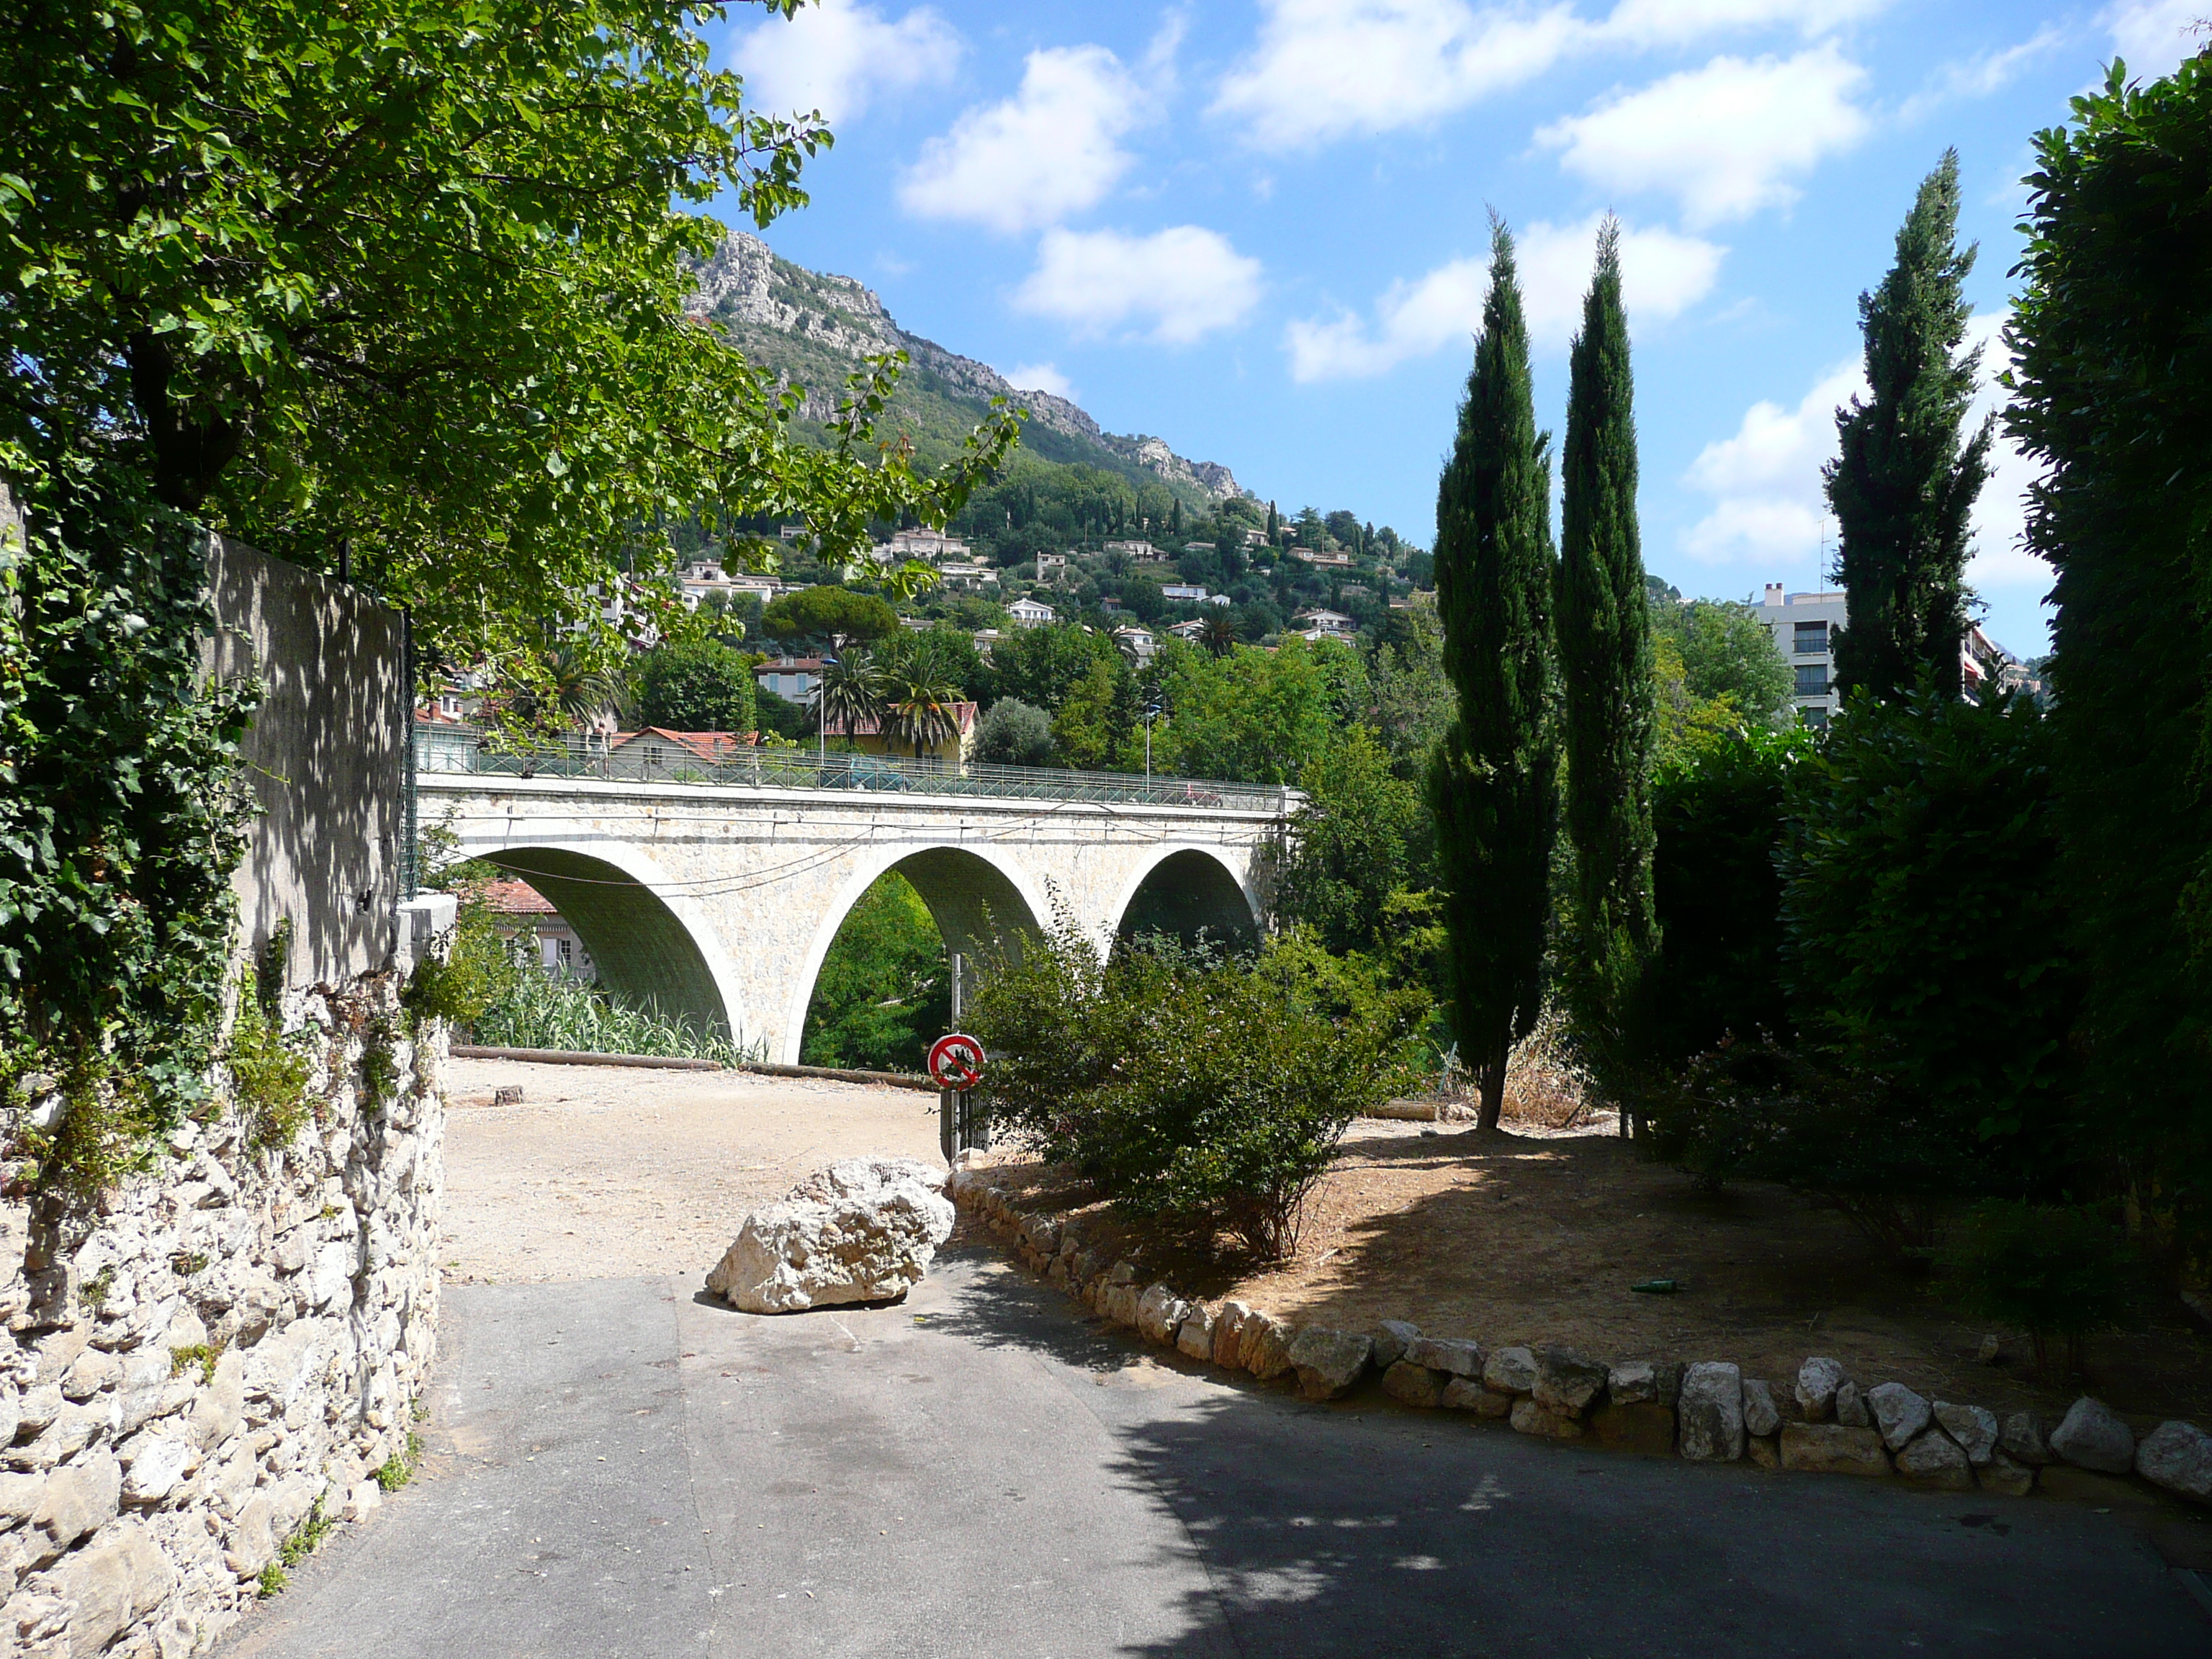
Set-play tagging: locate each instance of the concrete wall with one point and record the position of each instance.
(326, 755)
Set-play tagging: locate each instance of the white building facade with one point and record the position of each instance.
(1804, 627)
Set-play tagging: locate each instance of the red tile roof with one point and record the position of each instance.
(508, 895)
(706, 745)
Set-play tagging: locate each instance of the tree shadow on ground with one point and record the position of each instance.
(1360, 1528)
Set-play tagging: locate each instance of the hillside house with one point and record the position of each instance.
(868, 737)
(1138, 643)
(933, 545)
(791, 678)
(1030, 613)
(1326, 624)
(516, 908)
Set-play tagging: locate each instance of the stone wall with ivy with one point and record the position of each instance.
(219, 1356)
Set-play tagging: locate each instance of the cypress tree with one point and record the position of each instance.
(1904, 484)
(1493, 784)
(1605, 665)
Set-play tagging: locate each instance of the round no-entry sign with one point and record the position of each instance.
(956, 1061)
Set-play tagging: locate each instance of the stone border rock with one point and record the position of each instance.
(1707, 1412)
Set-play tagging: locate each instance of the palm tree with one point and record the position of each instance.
(849, 695)
(564, 688)
(1219, 634)
(920, 704)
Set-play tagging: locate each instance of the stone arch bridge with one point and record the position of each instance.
(717, 895)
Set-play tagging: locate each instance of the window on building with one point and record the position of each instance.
(1812, 679)
(567, 948)
(1811, 638)
(1817, 719)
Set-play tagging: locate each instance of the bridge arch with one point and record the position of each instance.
(977, 896)
(1188, 892)
(649, 938)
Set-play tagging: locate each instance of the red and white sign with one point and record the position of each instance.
(956, 1061)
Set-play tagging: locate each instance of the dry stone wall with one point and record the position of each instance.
(226, 1352)
(1820, 1421)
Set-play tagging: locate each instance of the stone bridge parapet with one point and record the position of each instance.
(720, 902)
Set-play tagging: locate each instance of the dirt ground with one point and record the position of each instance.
(605, 1171)
(1526, 1236)
(1529, 1237)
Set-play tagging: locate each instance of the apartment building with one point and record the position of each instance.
(1804, 627)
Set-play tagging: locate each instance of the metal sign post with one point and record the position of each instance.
(956, 1062)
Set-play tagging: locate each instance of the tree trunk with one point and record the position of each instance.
(1492, 1078)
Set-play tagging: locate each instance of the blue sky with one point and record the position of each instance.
(1258, 231)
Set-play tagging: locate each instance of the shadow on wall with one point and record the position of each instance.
(644, 955)
(326, 758)
(1192, 896)
(976, 908)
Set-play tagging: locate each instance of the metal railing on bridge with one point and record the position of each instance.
(443, 751)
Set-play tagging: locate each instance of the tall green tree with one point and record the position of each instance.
(1359, 835)
(1605, 666)
(1904, 487)
(1492, 787)
(2113, 392)
(408, 278)
(698, 685)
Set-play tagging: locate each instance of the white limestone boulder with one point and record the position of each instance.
(864, 1230)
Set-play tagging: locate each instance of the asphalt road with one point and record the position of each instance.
(618, 1468)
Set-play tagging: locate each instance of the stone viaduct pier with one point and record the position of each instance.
(715, 890)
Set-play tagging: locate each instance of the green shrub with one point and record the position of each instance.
(269, 1074)
(1014, 734)
(2057, 1271)
(1926, 928)
(1210, 1093)
(123, 811)
(1851, 1139)
(379, 1066)
(1718, 812)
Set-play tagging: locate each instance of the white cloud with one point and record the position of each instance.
(1661, 22)
(1769, 506)
(1725, 139)
(1663, 275)
(1765, 480)
(1051, 150)
(1322, 70)
(1982, 74)
(837, 55)
(2154, 36)
(1041, 377)
(1187, 280)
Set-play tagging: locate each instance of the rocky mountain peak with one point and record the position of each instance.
(748, 289)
